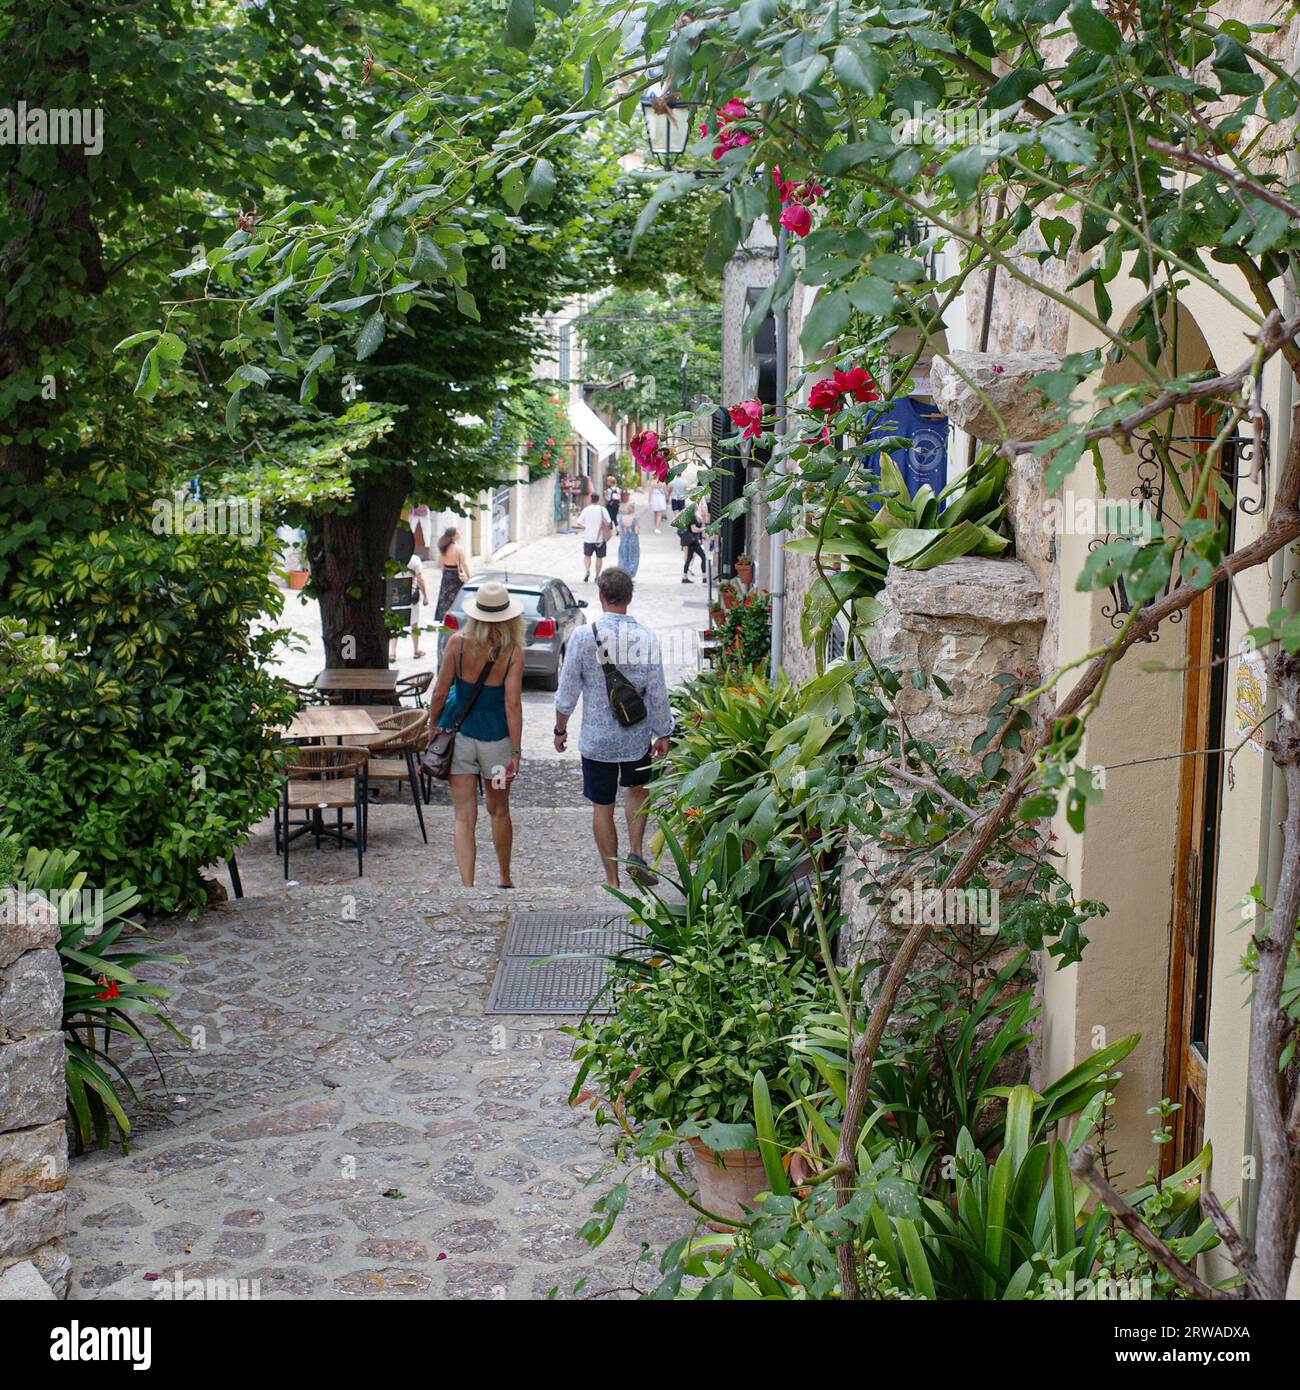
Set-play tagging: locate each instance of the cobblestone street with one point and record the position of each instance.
(342, 1120)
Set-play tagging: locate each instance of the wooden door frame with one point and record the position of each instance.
(1195, 875)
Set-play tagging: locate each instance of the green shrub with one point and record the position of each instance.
(745, 634)
(150, 747)
(685, 1042)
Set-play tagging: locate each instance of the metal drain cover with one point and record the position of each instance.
(528, 983)
(546, 933)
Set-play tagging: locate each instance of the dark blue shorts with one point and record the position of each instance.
(601, 781)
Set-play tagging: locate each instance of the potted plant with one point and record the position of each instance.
(729, 593)
(703, 1029)
(745, 570)
(298, 578)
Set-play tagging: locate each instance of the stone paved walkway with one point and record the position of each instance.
(348, 1123)
(343, 1121)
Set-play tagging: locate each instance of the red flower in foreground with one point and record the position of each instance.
(857, 382)
(825, 395)
(111, 990)
(829, 395)
(796, 218)
(747, 418)
(730, 136)
(645, 449)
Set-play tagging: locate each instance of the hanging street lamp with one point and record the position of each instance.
(667, 125)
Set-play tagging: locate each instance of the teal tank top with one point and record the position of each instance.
(487, 720)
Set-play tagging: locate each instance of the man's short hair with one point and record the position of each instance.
(615, 586)
(593, 497)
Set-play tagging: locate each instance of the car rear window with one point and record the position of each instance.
(531, 601)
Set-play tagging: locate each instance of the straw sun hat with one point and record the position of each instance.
(492, 603)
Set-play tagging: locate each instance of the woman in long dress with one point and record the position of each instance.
(658, 505)
(455, 570)
(629, 535)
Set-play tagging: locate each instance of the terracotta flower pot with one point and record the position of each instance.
(298, 578)
(745, 573)
(723, 1189)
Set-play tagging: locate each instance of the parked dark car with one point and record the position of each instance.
(551, 613)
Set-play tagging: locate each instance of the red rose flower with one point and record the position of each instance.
(797, 219)
(747, 418)
(857, 382)
(825, 395)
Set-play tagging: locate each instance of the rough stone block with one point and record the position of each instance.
(31, 1081)
(999, 380)
(31, 994)
(1031, 521)
(30, 1222)
(52, 1264)
(22, 1283)
(27, 923)
(33, 1160)
(968, 622)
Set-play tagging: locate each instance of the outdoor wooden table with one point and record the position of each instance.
(352, 682)
(326, 721)
(330, 721)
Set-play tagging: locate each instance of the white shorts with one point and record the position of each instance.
(486, 758)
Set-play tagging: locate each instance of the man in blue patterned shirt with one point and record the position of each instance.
(612, 754)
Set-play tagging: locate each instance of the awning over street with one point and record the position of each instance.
(592, 428)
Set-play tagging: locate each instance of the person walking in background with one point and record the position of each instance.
(420, 519)
(489, 741)
(614, 754)
(613, 499)
(677, 491)
(691, 525)
(455, 570)
(402, 595)
(658, 505)
(421, 604)
(594, 523)
(629, 536)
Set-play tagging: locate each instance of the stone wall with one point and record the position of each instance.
(967, 622)
(533, 506)
(33, 1143)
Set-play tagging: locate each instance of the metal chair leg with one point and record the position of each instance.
(415, 794)
(362, 799)
(284, 821)
(232, 864)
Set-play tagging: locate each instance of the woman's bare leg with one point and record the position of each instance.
(464, 803)
(503, 831)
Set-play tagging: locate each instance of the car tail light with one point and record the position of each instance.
(449, 621)
(545, 628)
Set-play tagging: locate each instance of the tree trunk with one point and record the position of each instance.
(1277, 1120)
(347, 553)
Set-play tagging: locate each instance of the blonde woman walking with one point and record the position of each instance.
(489, 741)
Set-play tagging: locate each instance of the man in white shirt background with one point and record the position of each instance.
(593, 522)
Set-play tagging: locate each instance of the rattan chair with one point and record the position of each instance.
(415, 687)
(394, 751)
(322, 779)
(305, 694)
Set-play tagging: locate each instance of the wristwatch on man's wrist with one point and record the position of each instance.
(561, 733)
